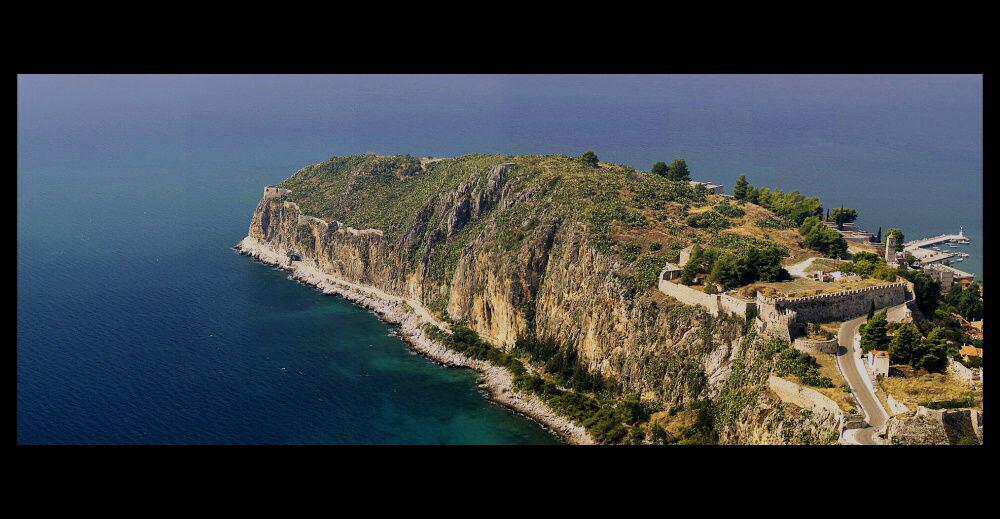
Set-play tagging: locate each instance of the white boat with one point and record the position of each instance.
(960, 259)
(952, 245)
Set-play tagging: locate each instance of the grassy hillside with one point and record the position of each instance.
(640, 218)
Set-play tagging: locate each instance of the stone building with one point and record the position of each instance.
(890, 249)
(714, 189)
(685, 255)
(671, 271)
(948, 275)
(271, 191)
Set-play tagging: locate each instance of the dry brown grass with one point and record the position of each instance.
(823, 264)
(916, 387)
(802, 287)
(833, 328)
(676, 423)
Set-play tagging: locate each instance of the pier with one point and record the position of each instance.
(932, 260)
(934, 240)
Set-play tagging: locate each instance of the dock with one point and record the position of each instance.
(934, 240)
(931, 259)
(928, 256)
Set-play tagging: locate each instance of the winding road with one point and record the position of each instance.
(852, 368)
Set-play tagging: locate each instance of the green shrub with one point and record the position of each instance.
(728, 209)
(803, 365)
(710, 220)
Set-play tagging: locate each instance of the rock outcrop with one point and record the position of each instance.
(934, 427)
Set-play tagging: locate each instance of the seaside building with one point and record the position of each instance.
(947, 275)
(714, 189)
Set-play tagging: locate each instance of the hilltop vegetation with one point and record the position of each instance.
(643, 219)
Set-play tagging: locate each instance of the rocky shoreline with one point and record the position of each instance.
(410, 316)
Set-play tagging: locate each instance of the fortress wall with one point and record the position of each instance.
(735, 305)
(841, 306)
(774, 321)
(270, 191)
(690, 296)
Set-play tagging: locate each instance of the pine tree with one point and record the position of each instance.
(590, 158)
(874, 334)
(679, 170)
(660, 168)
(871, 310)
(742, 188)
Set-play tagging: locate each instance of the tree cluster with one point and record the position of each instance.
(821, 238)
(732, 269)
(792, 205)
(677, 170)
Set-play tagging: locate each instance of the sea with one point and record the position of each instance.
(138, 324)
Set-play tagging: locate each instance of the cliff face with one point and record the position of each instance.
(501, 246)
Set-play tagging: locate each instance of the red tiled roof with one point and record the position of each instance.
(970, 351)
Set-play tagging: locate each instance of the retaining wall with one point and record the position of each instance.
(963, 373)
(809, 346)
(804, 397)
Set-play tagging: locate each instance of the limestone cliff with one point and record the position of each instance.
(517, 247)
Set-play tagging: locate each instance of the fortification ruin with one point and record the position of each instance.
(271, 191)
(785, 318)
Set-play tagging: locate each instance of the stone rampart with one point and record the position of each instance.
(270, 191)
(841, 306)
(965, 374)
(735, 305)
(714, 303)
(690, 296)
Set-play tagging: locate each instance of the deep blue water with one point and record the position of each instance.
(138, 324)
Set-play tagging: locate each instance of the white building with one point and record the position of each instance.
(878, 361)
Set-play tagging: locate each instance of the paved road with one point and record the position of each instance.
(850, 367)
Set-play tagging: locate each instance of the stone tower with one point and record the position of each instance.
(890, 249)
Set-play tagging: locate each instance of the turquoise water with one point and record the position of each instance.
(138, 324)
